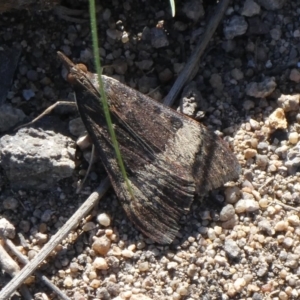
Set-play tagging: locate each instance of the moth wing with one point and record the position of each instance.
(168, 158)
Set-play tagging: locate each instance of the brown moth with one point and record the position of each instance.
(168, 157)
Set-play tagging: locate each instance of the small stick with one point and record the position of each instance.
(87, 172)
(23, 259)
(184, 76)
(9, 266)
(46, 112)
(83, 210)
(288, 207)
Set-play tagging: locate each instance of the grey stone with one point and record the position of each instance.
(289, 102)
(10, 117)
(227, 212)
(271, 4)
(191, 100)
(33, 158)
(265, 225)
(159, 38)
(232, 249)
(236, 26)
(261, 89)
(250, 8)
(193, 9)
(76, 127)
(32, 75)
(262, 161)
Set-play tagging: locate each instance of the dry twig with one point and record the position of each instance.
(185, 74)
(83, 210)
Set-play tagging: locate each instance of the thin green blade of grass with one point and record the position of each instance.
(172, 4)
(103, 95)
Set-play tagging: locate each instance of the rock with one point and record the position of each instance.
(271, 4)
(265, 225)
(28, 94)
(230, 223)
(145, 64)
(100, 263)
(193, 9)
(248, 104)
(249, 153)
(120, 66)
(295, 75)
(101, 245)
(127, 253)
(104, 219)
(216, 82)
(246, 205)
(34, 158)
(7, 229)
(10, 203)
(289, 102)
(76, 127)
(32, 75)
(232, 249)
(237, 74)
(159, 38)
(139, 297)
(10, 117)
(191, 100)
(165, 75)
(281, 226)
(232, 194)
(114, 34)
(261, 89)
(293, 137)
(236, 26)
(276, 34)
(262, 161)
(227, 212)
(277, 119)
(293, 159)
(250, 8)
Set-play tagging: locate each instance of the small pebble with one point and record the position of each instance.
(95, 283)
(295, 75)
(232, 194)
(277, 119)
(250, 8)
(68, 282)
(246, 205)
(101, 245)
(100, 263)
(172, 265)
(127, 253)
(10, 203)
(261, 89)
(294, 220)
(104, 219)
(293, 137)
(227, 212)
(236, 26)
(281, 226)
(143, 266)
(88, 226)
(250, 153)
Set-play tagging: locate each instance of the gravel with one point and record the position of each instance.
(242, 241)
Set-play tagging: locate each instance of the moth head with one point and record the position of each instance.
(72, 77)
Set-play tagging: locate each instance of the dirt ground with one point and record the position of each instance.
(241, 241)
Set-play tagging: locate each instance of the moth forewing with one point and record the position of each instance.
(168, 157)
